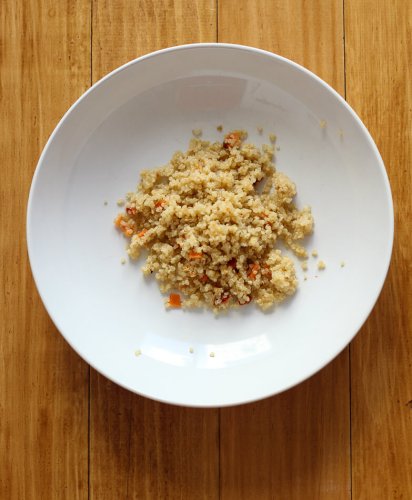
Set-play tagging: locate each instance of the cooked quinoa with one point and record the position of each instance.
(210, 219)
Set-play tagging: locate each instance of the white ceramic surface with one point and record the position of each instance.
(135, 118)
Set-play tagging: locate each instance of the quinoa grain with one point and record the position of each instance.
(210, 219)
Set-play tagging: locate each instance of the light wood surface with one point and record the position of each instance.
(379, 87)
(44, 67)
(67, 432)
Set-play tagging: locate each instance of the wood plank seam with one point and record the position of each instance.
(349, 347)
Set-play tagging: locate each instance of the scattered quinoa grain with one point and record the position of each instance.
(322, 124)
(120, 202)
(137, 352)
(197, 132)
(260, 130)
(304, 266)
(122, 261)
(342, 264)
(314, 253)
(321, 265)
(212, 354)
(219, 128)
(105, 203)
(272, 138)
(191, 350)
(305, 278)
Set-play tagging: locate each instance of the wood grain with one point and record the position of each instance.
(44, 54)
(126, 29)
(296, 445)
(310, 33)
(144, 449)
(378, 68)
(293, 446)
(140, 448)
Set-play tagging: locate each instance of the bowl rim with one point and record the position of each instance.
(213, 45)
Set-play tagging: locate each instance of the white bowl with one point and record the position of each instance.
(135, 118)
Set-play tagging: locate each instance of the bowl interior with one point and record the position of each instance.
(135, 119)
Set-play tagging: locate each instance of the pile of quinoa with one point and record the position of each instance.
(209, 220)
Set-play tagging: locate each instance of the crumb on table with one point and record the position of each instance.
(322, 124)
(122, 261)
(212, 354)
(304, 265)
(197, 132)
(321, 265)
(219, 128)
(105, 203)
(137, 352)
(314, 253)
(272, 138)
(342, 264)
(120, 202)
(260, 130)
(191, 350)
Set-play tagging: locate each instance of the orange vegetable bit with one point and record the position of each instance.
(248, 301)
(225, 298)
(266, 271)
(195, 256)
(123, 226)
(253, 270)
(175, 300)
(232, 140)
(118, 220)
(131, 210)
(142, 233)
(160, 203)
(204, 279)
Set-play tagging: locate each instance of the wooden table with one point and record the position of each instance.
(67, 432)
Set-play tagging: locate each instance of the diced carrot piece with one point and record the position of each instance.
(248, 301)
(123, 226)
(175, 300)
(225, 298)
(118, 220)
(195, 256)
(160, 203)
(253, 268)
(266, 271)
(232, 140)
(142, 233)
(131, 210)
